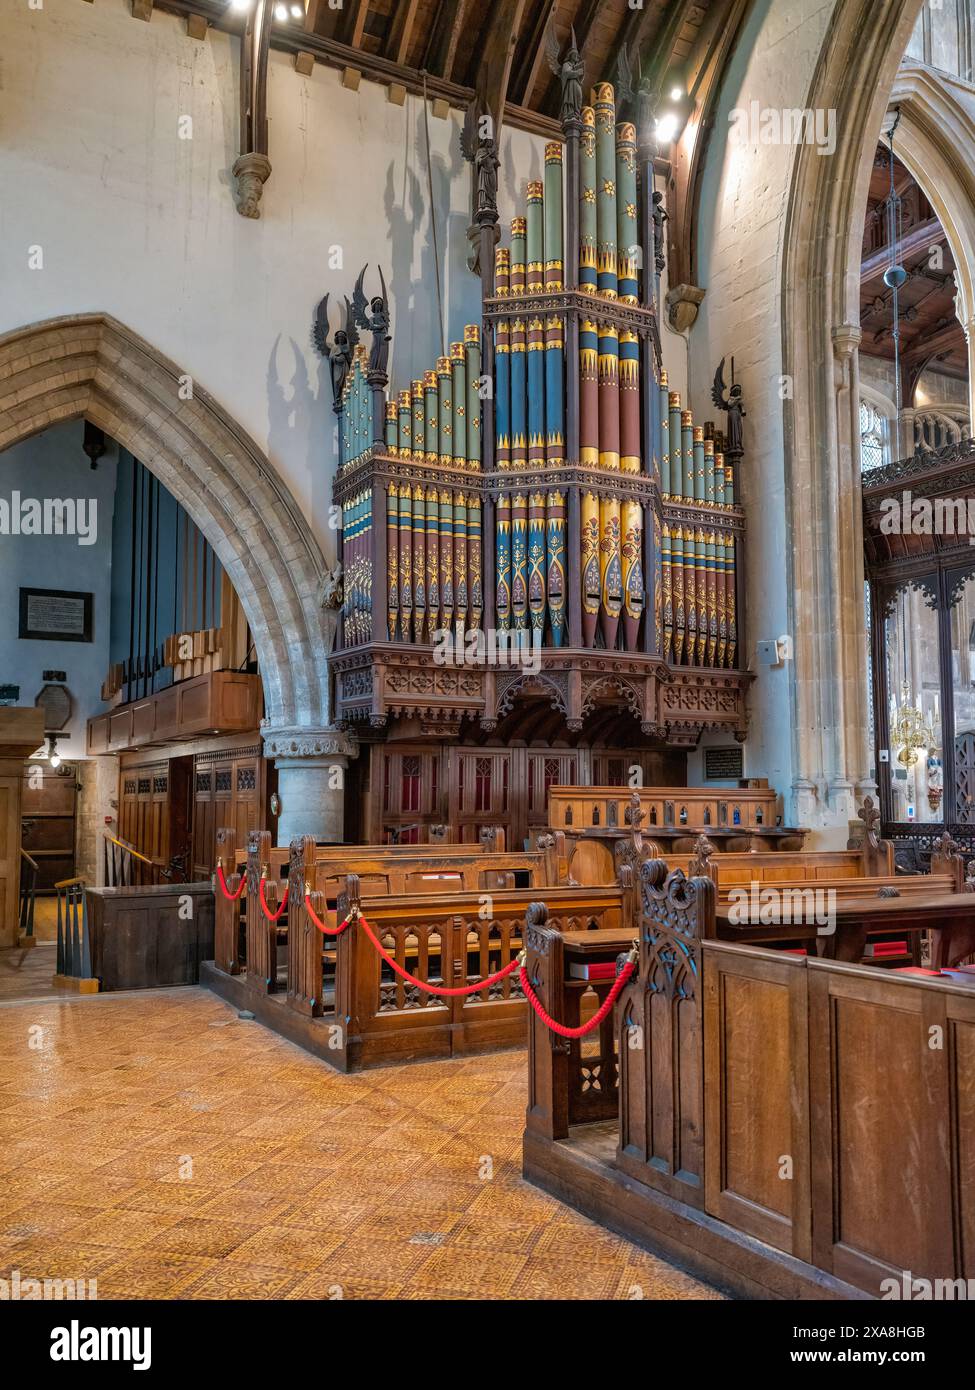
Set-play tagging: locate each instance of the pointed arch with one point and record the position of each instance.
(93, 367)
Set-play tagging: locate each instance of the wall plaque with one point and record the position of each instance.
(723, 764)
(55, 615)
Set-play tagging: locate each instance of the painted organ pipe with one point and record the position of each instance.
(537, 541)
(472, 372)
(502, 601)
(460, 562)
(419, 520)
(446, 510)
(555, 523)
(519, 562)
(607, 277)
(458, 392)
(432, 545)
(392, 558)
(588, 274)
(502, 364)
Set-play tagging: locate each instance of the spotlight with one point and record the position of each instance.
(281, 12)
(297, 11)
(240, 4)
(667, 127)
(676, 93)
(53, 756)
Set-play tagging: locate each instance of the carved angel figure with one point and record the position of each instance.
(480, 149)
(340, 354)
(570, 71)
(659, 218)
(734, 405)
(373, 315)
(644, 93)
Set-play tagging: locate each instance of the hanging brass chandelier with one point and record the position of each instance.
(911, 732)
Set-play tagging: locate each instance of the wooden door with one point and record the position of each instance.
(48, 801)
(11, 774)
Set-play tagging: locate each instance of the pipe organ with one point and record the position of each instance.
(540, 486)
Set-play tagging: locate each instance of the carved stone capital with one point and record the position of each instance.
(252, 172)
(308, 743)
(846, 338)
(683, 302)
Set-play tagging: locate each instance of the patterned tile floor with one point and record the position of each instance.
(157, 1143)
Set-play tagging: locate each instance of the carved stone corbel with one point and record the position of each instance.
(683, 302)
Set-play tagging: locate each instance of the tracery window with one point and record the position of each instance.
(873, 437)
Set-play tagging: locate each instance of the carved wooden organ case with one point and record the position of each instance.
(541, 485)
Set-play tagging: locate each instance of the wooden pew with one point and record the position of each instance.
(417, 870)
(740, 819)
(786, 1126)
(243, 936)
(453, 939)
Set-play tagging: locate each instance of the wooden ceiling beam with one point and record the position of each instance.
(494, 67)
(533, 53)
(951, 338)
(400, 33)
(444, 39)
(292, 39)
(354, 23)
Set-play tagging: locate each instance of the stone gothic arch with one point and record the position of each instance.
(937, 121)
(92, 366)
(854, 77)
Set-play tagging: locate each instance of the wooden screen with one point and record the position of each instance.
(230, 788)
(143, 817)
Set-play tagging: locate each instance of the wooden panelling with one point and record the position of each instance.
(144, 938)
(756, 1120)
(882, 1186)
(218, 702)
(230, 788)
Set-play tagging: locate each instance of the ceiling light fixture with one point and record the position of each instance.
(676, 93)
(53, 756)
(281, 12)
(666, 127)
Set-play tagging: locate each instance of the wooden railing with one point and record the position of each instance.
(125, 866)
(74, 941)
(28, 895)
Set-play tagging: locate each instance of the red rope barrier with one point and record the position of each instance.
(323, 926)
(271, 916)
(434, 989)
(231, 897)
(597, 1017)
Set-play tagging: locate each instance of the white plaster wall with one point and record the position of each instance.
(744, 199)
(139, 223)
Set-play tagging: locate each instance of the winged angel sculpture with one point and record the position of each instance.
(570, 71)
(338, 355)
(373, 315)
(732, 403)
(644, 92)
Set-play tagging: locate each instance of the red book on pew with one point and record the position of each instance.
(595, 970)
(886, 948)
(919, 970)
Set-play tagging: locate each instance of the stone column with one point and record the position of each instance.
(833, 763)
(311, 766)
